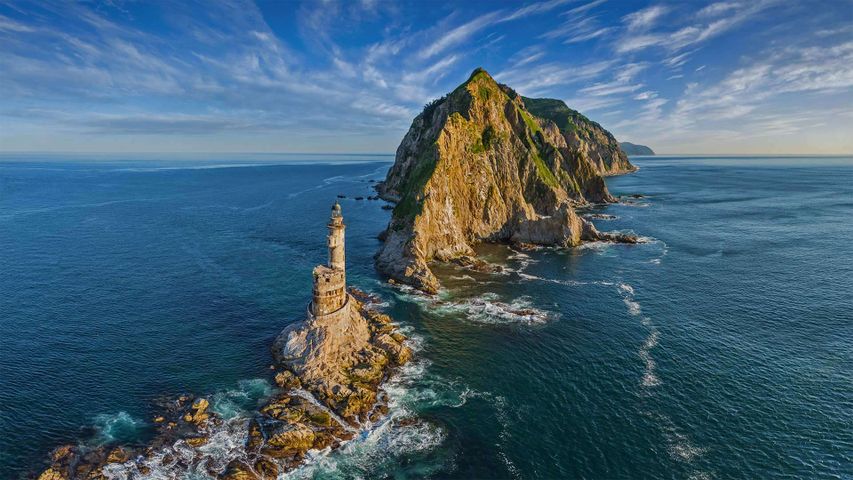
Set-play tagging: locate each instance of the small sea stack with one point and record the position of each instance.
(329, 368)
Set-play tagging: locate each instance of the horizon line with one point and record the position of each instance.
(57, 152)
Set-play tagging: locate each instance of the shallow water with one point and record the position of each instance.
(720, 348)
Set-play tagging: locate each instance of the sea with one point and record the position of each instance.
(721, 347)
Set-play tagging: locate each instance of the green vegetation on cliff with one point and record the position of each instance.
(587, 137)
(480, 165)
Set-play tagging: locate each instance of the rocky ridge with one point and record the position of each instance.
(586, 137)
(478, 165)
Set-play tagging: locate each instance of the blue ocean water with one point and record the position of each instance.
(719, 349)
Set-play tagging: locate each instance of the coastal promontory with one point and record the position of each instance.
(484, 164)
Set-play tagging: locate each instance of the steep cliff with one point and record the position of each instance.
(476, 166)
(583, 135)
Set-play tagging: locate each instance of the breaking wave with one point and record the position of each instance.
(378, 448)
(488, 309)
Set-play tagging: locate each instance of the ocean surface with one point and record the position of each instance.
(721, 348)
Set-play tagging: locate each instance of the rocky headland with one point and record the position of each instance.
(484, 164)
(329, 370)
(636, 149)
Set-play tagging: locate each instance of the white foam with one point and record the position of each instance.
(488, 309)
(633, 307)
(113, 427)
(462, 277)
(597, 246)
(378, 446)
(307, 396)
(679, 445)
(650, 378)
(235, 402)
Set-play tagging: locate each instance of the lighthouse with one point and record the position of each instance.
(329, 293)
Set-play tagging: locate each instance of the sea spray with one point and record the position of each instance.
(119, 427)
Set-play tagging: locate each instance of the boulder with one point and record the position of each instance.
(288, 439)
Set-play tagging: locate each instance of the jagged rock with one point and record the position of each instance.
(589, 139)
(238, 470)
(399, 352)
(197, 441)
(476, 166)
(286, 379)
(62, 453)
(320, 349)
(288, 439)
(266, 469)
(53, 474)
(118, 455)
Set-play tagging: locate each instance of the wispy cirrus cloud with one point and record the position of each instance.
(286, 73)
(541, 78)
(459, 34)
(644, 19)
(708, 23)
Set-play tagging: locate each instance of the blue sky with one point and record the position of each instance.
(734, 76)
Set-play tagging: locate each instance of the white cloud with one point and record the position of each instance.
(535, 9)
(645, 18)
(542, 78)
(10, 25)
(716, 9)
(638, 35)
(648, 94)
(458, 35)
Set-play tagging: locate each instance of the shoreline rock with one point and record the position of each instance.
(298, 418)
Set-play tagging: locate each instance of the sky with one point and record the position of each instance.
(690, 77)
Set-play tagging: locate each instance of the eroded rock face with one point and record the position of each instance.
(317, 349)
(478, 166)
(341, 358)
(586, 137)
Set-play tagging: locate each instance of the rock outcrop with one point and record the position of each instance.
(588, 138)
(635, 149)
(184, 419)
(342, 359)
(329, 370)
(476, 166)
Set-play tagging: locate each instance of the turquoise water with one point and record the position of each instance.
(719, 349)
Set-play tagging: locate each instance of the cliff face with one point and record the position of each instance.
(583, 135)
(475, 166)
